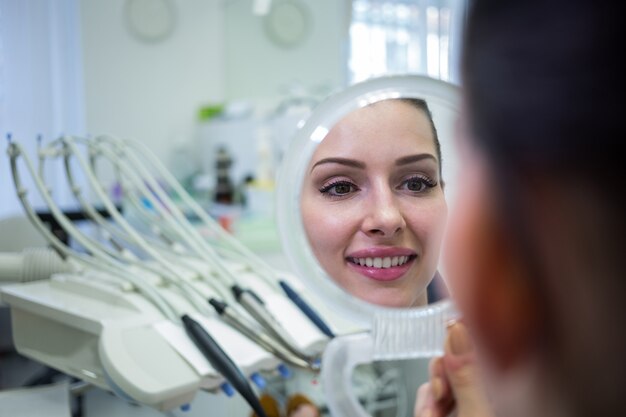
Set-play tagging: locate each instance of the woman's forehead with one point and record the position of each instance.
(388, 128)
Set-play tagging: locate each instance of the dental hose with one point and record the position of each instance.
(256, 306)
(237, 246)
(252, 303)
(268, 341)
(211, 350)
(222, 363)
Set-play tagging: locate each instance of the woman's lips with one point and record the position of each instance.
(382, 264)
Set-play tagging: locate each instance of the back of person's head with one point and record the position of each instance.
(544, 94)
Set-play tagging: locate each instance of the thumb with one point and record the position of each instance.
(461, 370)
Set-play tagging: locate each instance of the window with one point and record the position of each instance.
(405, 36)
(40, 86)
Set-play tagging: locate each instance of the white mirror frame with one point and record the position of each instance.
(293, 170)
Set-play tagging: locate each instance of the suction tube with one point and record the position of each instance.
(222, 363)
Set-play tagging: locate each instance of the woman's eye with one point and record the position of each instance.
(342, 188)
(338, 189)
(418, 184)
(415, 185)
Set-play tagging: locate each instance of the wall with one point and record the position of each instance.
(151, 91)
(255, 67)
(218, 52)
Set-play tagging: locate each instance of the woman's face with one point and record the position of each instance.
(373, 205)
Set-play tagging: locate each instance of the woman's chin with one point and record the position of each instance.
(378, 292)
(389, 302)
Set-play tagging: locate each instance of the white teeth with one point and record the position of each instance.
(386, 262)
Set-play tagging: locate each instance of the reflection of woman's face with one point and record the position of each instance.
(373, 205)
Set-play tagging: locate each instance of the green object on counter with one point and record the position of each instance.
(208, 112)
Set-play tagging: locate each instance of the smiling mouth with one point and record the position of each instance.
(382, 263)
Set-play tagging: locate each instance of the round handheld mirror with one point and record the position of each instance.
(361, 210)
(364, 189)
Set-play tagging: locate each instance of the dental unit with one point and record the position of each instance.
(247, 298)
(254, 262)
(124, 315)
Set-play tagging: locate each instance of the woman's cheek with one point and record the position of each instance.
(441, 220)
(325, 227)
(428, 224)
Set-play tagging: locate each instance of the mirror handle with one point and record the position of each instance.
(341, 356)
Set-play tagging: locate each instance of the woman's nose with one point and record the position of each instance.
(384, 217)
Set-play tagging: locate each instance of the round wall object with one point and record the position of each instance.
(288, 23)
(150, 20)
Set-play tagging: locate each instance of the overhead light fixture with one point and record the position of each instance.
(261, 7)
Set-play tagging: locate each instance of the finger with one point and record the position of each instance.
(460, 366)
(427, 406)
(439, 388)
(459, 361)
(423, 399)
(438, 379)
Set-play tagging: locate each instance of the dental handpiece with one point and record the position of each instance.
(306, 309)
(253, 304)
(222, 363)
(247, 328)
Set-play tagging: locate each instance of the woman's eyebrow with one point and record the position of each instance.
(414, 158)
(343, 161)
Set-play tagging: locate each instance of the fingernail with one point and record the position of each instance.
(436, 385)
(459, 339)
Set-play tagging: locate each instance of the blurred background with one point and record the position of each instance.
(207, 84)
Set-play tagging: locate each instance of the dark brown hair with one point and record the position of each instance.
(543, 93)
(423, 106)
